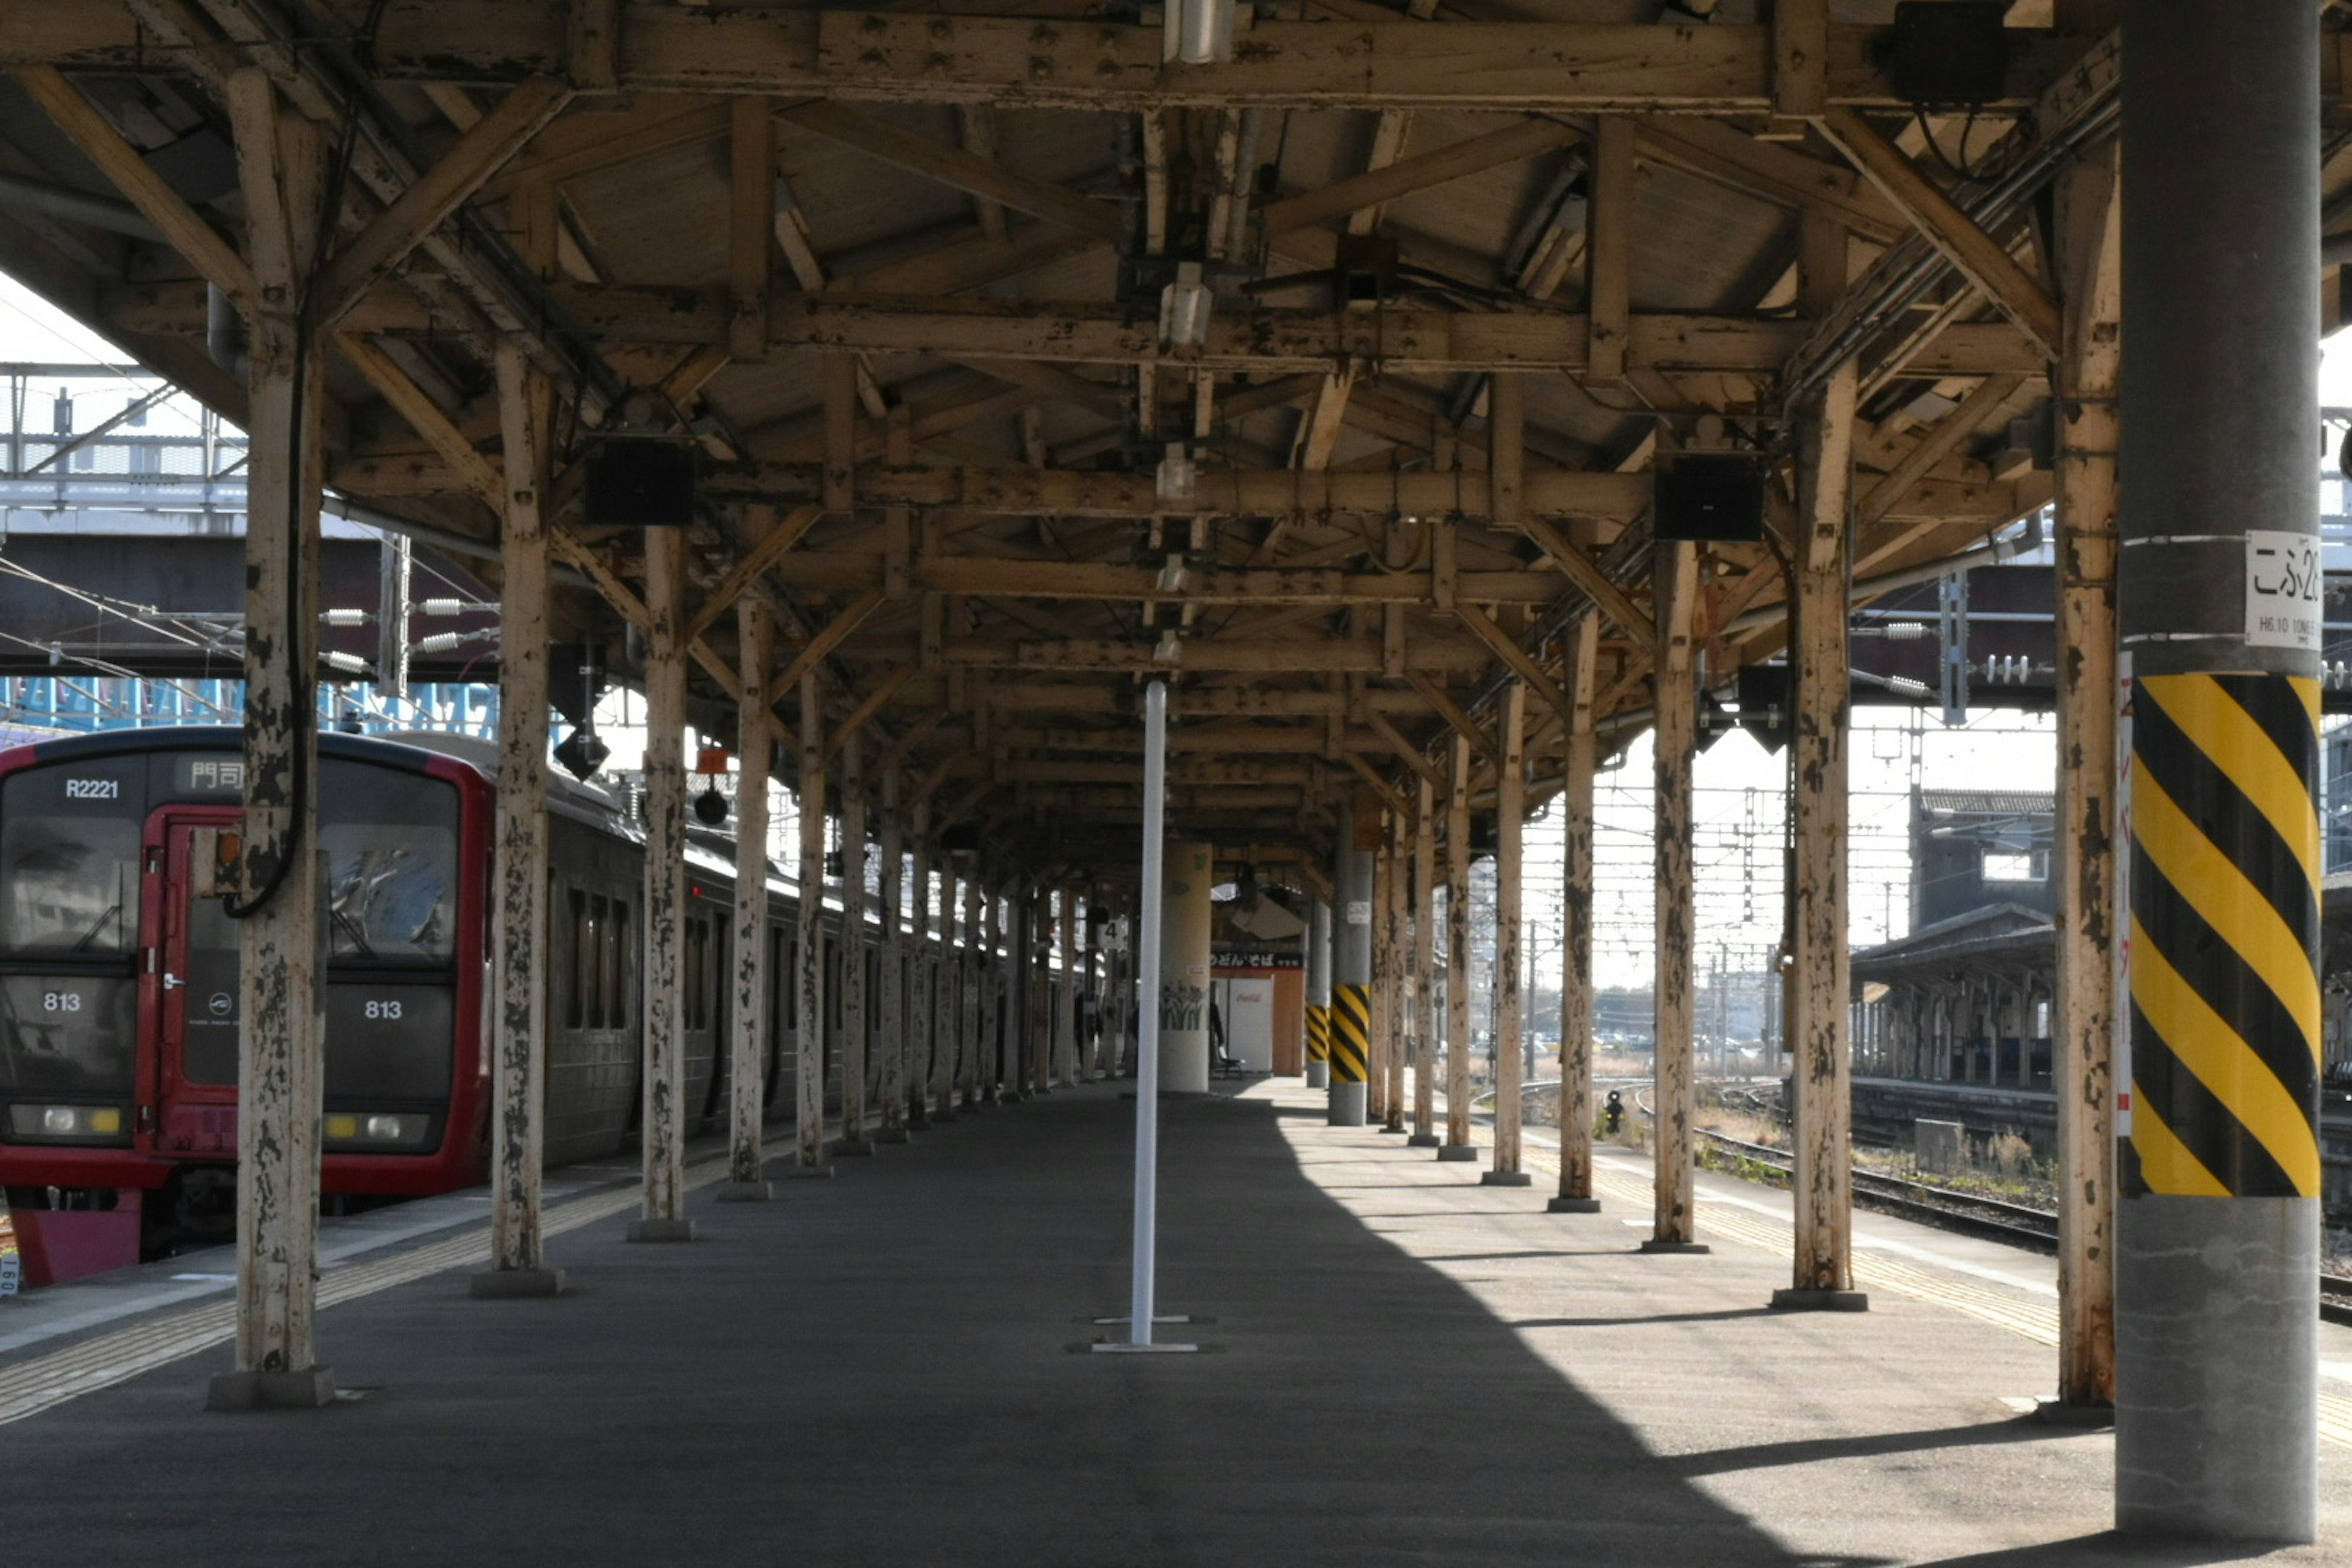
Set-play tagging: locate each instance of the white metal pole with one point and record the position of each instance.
(1147, 1047)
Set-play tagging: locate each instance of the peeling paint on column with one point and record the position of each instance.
(1575, 913)
(1458, 950)
(1510, 809)
(664, 947)
(854, 1032)
(1423, 980)
(808, 942)
(891, 1018)
(754, 744)
(1675, 1095)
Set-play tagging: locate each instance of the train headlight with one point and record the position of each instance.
(356, 1130)
(66, 1123)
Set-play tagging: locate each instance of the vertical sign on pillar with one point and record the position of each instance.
(1575, 1195)
(808, 943)
(519, 920)
(2219, 604)
(748, 1019)
(664, 1119)
(1675, 573)
(1510, 1033)
(279, 892)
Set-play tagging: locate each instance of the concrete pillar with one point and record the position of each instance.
(1423, 979)
(1184, 970)
(1823, 1271)
(1380, 984)
(518, 940)
(1510, 1013)
(856, 1035)
(1318, 995)
(808, 943)
(1457, 1144)
(1575, 1194)
(1396, 990)
(1676, 1094)
(748, 1019)
(279, 885)
(2083, 867)
(2219, 607)
(1352, 970)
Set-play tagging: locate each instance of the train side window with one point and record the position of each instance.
(575, 994)
(696, 942)
(617, 965)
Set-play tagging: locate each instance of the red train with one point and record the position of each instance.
(119, 993)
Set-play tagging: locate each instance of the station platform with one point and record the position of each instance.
(1398, 1366)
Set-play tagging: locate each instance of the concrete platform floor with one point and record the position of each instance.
(1405, 1367)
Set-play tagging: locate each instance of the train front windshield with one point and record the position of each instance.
(85, 843)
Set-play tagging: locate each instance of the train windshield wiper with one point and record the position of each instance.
(98, 925)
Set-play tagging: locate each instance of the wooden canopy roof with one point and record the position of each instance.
(899, 273)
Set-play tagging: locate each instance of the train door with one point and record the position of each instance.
(190, 1013)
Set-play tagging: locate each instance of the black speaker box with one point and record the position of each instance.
(1708, 496)
(633, 482)
(1948, 52)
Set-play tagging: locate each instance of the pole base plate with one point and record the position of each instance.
(661, 1230)
(1153, 1349)
(1423, 1140)
(2054, 1411)
(1398, 1131)
(1465, 1151)
(515, 1284)
(1573, 1205)
(1669, 1247)
(312, 1388)
(1505, 1179)
(1820, 1301)
(746, 1192)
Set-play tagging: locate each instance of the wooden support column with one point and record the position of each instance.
(1675, 573)
(1424, 966)
(1397, 1021)
(2082, 1006)
(1609, 251)
(1510, 1044)
(751, 226)
(1068, 1069)
(519, 920)
(1575, 1194)
(664, 924)
(278, 888)
(755, 740)
(973, 977)
(1457, 1144)
(1822, 1064)
(890, 1011)
(854, 1034)
(840, 433)
(808, 943)
(945, 990)
(922, 980)
(995, 1081)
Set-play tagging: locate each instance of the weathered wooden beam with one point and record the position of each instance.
(765, 552)
(966, 171)
(215, 258)
(750, 226)
(425, 416)
(1979, 257)
(1800, 46)
(1938, 441)
(664, 1111)
(748, 1023)
(1675, 934)
(829, 637)
(1609, 254)
(425, 205)
(1516, 658)
(1724, 155)
(885, 692)
(1403, 176)
(1457, 717)
(808, 942)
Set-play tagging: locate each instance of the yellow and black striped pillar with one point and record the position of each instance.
(2220, 612)
(1319, 1034)
(1352, 1031)
(2225, 937)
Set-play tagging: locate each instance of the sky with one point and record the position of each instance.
(1741, 788)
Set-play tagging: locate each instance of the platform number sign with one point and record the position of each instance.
(2282, 586)
(11, 1263)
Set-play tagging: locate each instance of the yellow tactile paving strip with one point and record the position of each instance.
(1874, 1271)
(105, 1360)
